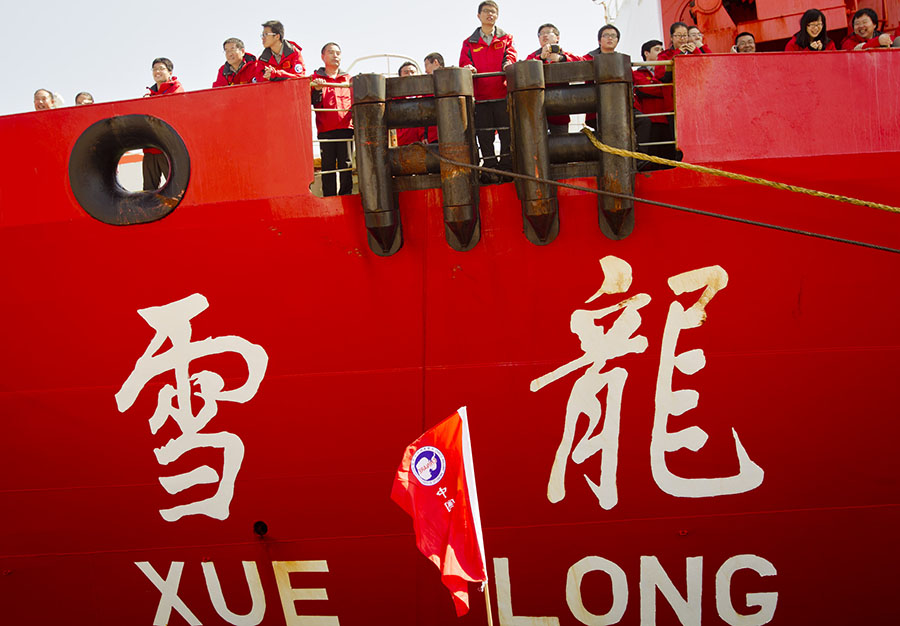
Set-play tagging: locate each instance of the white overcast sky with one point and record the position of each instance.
(106, 47)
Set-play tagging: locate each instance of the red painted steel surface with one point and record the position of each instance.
(366, 352)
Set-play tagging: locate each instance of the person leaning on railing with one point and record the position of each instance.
(696, 36)
(281, 59)
(240, 66)
(813, 34)
(865, 33)
(656, 128)
(334, 124)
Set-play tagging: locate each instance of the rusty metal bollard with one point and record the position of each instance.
(612, 75)
(531, 155)
(454, 100)
(373, 168)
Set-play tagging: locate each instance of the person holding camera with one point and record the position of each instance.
(550, 52)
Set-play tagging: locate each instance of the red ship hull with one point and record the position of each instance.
(366, 352)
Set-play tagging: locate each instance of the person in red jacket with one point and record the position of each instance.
(281, 59)
(681, 44)
(865, 33)
(334, 126)
(648, 101)
(240, 66)
(406, 136)
(696, 36)
(551, 52)
(155, 163)
(490, 49)
(813, 34)
(607, 39)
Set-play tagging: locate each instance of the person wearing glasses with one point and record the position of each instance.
(281, 59)
(696, 36)
(608, 38)
(551, 52)
(744, 42)
(240, 66)
(813, 34)
(156, 164)
(490, 49)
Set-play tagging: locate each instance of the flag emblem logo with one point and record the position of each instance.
(428, 465)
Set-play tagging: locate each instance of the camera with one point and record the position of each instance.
(554, 48)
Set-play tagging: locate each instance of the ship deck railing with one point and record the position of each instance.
(577, 125)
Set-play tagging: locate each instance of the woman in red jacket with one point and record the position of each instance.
(813, 34)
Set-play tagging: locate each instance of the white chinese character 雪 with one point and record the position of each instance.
(599, 347)
(172, 322)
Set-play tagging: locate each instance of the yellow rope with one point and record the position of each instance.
(732, 175)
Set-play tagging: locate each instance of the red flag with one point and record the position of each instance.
(435, 484)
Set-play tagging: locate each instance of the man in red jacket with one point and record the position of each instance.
(155, 163)
(490, 49)
(551, 52)
(865, 33)
(656, 128)
(334, 126)
(240, 66)
(281, 59)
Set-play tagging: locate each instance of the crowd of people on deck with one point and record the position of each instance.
(487, 50)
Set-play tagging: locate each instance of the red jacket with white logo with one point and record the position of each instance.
(245, 73)
(488, 58)
(291, 65)
(169, 87)
(332, 98)
(566, 56)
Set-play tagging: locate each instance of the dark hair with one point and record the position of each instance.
(550, 26)
(49, 93)
(435, 56)
(488, 3)
(867, 11)
(694, 27)
(276, 27)
(330, 43)
(648, 45)
(744, 34)
(83, 93)
(406, 64)
(168, 63)
(607, 27)
(237, 42)
(802, 37)
(676, 25)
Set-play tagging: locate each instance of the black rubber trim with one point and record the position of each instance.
(95, 158)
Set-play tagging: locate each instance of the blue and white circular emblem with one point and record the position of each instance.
(428, 465)
(298, 68)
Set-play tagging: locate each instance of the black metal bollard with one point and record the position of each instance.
(531, 151)
(612, 74)
(373, 167)
(454, 100)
